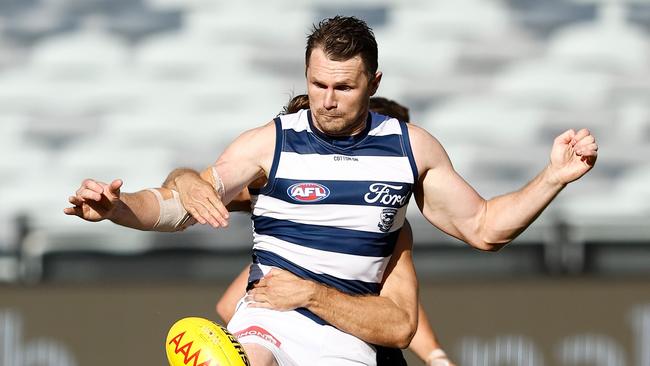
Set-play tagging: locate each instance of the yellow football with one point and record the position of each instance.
(201, 342)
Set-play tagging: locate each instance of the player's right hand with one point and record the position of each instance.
(95, 201)
(201, 200)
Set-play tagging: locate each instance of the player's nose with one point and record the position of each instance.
(330, 100)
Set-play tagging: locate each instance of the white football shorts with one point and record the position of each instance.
(297, 340)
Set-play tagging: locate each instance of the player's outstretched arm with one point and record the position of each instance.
(97, 201)
(449, 203)
(389, 319)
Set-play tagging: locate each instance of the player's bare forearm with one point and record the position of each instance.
(572, 156)
(139, 210)
(96, 201)
(424, 340)
(228, 302)
(425, 343)
(452, 205)
(389, 319)
(372, 318)
(507, 216)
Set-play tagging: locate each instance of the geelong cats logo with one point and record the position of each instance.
(387, 219)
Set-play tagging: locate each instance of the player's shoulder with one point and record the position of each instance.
(264, 131)
(420, 137)
(427, 150)
(257, 141)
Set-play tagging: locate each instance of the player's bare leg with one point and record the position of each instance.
(259, 356)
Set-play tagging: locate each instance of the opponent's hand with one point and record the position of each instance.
(573, 155)
(95, 201)
(281, 290)
(201, 200)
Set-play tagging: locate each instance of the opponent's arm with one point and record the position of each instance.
(449, 203)
(389, 319)
(228, 301)
(425, 343)
(241, 202)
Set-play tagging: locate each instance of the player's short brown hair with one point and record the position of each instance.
(379, 105)
(342, 38)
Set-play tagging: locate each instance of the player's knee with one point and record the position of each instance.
(259, 355)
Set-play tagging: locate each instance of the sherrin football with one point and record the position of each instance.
(201, 342)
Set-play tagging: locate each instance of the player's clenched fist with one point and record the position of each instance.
(573, 155)
(95, 201)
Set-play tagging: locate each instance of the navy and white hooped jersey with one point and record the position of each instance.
(332, 209)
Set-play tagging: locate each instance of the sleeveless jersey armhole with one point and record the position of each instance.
(409, 151)
(279, 140)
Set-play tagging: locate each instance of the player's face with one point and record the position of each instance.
(339, 92)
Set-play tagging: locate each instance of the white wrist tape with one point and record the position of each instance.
(218, 183)
(173, 216)
(437, 357)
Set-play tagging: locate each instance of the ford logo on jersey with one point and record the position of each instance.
(308, 192)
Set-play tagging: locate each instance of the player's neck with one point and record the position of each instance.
(359, 126)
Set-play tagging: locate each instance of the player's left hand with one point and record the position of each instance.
(573, 155)
(281, 290)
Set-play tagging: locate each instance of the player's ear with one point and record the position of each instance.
(374, 83)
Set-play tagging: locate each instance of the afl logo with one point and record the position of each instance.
(308, 192)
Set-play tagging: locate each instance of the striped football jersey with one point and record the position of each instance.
(332, 208)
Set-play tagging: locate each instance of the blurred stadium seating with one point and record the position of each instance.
(132, 89)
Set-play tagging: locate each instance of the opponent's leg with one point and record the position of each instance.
(259, 355)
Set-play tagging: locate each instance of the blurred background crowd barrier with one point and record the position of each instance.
(134, 88)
